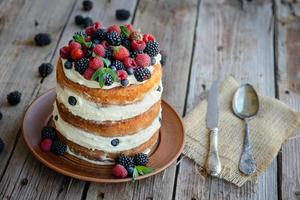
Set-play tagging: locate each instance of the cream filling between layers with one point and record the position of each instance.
(76, 77)
(89, 110)
(93, 141)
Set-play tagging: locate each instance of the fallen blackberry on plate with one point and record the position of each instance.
(2, 145)
(42, 39)
(58, 147)
(87, 5)
(49, 132)
(125, 161)
(141, 159)
(45, 69)
(122, 14)
(14, 97)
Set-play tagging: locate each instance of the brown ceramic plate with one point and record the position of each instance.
(167, 151)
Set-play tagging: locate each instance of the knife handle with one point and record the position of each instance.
(213, 161)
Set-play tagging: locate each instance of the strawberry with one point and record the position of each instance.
(143, 60)
(64, 52)
(122, 74)
(138, 45)
(119, 171)
(148, 38)
(96, 63)
(74, 45)
(115, 28)
(120, 53)
(46, 145)
(88, 73)
(99, 50)
(129, 62)
(129, 27)
(77, 54)
(135, 35)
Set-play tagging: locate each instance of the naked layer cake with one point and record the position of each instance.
(108, 93)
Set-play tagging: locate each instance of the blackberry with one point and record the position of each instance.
(88, 53)
(141, 159)
(68, 65)
(113, 38)
(133, 54)
(108, 80)
(14, 97)
(108, 54)
(81, 65)
(58, 147)
(42, 39)
(72, 100)
(125, 42)
(49, 132)
(129, 71)
(115, 142)
(87, 5)
(152, 48)
(117, 64)
(122, 14)
(100, 34)
(164, 57)
(87, 21)
(142, 74)
(125, 161)
(78, 20)
(153, 60)
(124, 82)
(45, 69)
(1, 145)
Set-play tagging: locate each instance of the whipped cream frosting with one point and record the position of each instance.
(76, 77)
(93, 141)
(90, 110)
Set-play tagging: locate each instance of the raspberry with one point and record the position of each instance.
(78, 20)
(95, 63)
(48, 132)
(113, 38)
(58, 147)
(74, 45)
(120, 53)
(87, 5)
(148, 38)
(77, 54)
(46, 145)
(119, 171)
(2, 145)
(122, 14)
(81, 65)
(114, 28)
(42, 39)
(130, 27)
(99, 50)
(142, 60)
(122, 74)
(135, 35)
(152, 48)
(125, 161)
(45, 69)
(14, 97)
(138, 45)
(117, 64)
(88, 74)
(141, 159)
(142, 74)
(89, 30)
(108, 80)
(97, 25)
(64, 52)
(129, 62)
(105, 44)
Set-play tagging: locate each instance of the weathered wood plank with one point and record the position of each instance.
(288, 47)
(232, 38)
(164, 19)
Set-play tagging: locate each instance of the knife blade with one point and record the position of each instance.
(213, 165)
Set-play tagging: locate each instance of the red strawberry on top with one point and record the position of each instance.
(64, 52)
(148, 38)
(122, 74)
(96, 63)
(76, 54)
(74, 45)
(129, 27)
(88, 74)
(115, 28)
(120, 53)
(119, 171)
(99, 50)
(138, 45)
(129, 62)
(46, 145)
(143, 60)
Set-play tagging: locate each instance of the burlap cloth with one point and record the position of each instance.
(272, 126)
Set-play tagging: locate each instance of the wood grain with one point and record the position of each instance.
(231, 39)
(287, 41)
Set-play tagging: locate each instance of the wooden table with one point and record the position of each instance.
(256, 41)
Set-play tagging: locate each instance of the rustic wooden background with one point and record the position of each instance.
(256, 41)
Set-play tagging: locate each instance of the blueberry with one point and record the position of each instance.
(113, 68)
(96, 41)
(68, 65)
(130, 171)
(129, 71)
(56, 117)
(153, 60)
(72, 100)
(124, 82)
(115, 142)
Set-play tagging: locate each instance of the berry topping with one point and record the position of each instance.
(48, 132)
(117, 64)
(99, 50)
(88, 74)
(115, 142)
(96, 63)
(124, 82)
(142, 74)
(130, 171)
(77, 54)
(120, 53)
(87, 21)
(81, 65)
(68, 65)
(138, 45)
(141, 159)
(129, 62)
(99, 34)
(142, 60)
(45, 69)
(133, 54)
(64, 52)
(114, 28)
(46, 145)
(122, 14)
(72, 100)
(78, 20)
(87, 5)
(129, 27)
(152, 48)
(58, 147)
(130, 71)
(14, 97)
(148, 38)
(153, 61)
(113, 38)
(122, 74)
(74, 45)
(125, 42)
(108, 54)
(135, 35)
(125, 161)
(42, 39)
(2, 145)
(119, 171)
(108, 80)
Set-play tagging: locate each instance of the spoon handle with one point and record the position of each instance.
(247, 163)
(213, 161)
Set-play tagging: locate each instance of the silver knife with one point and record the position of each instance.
(213, 165)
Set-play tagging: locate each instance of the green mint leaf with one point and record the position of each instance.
(96, 75)
(125, 31)
(106, 62)
(144, 170)
(135, 174)
(88, 44)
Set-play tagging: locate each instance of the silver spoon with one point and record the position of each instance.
(245, 105)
